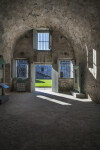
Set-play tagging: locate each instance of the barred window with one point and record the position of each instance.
(42, 39)
(66, 69)
(22, 68)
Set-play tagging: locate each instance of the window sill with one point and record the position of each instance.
(43, 50)
(21, 78)
(66, 78)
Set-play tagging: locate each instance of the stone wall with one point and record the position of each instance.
(65, 85)
(77, 21)
(8, 77)
(61, 49)
(43, 71)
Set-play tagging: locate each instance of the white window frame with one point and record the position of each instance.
(35, 38)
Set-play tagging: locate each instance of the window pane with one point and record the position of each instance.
(47, 45)
(43, 46)
(44, 36)
(22, 68)
(47, 36)
(43, 41)
(65, 69)
(39, 37)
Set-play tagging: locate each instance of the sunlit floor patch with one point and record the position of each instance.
(64, 95)
(43, 89)
(52, 100)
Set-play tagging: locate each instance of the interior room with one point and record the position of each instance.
(49, 74)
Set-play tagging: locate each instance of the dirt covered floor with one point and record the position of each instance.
(49, 121)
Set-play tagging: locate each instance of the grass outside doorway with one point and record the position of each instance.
(43, 83)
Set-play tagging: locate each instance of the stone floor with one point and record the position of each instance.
(49, 121)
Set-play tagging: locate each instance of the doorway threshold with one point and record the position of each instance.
(43, 89)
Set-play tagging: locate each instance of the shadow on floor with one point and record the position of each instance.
(35, 122)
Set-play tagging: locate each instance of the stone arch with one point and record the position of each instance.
(81, 26)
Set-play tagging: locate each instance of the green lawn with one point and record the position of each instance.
(43, 83)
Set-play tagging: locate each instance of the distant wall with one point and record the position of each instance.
(43, 71)
(61, 49)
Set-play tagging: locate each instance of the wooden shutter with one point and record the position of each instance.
(35, 40)
(50, 39)
(14, 68)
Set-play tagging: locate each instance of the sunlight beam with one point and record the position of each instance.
(84, 100)
(52, 100)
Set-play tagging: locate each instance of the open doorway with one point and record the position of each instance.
(43, 77)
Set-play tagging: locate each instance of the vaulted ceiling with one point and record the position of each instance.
(78, 20)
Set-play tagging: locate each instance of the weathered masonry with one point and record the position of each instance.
(49, 51)
(70, 37)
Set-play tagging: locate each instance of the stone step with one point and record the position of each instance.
(78, 95)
